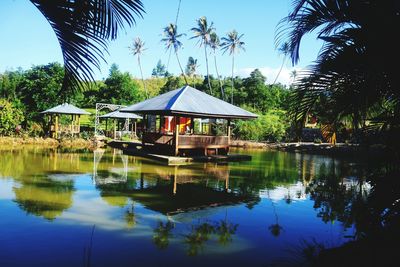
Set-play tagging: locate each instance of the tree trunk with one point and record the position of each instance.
(180, 66)
(141, 73)
(208, 76)
(219, 79)
(233, 63)
(279, 72)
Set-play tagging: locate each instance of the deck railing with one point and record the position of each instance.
(66, 128)
(187, 141)
(202, 141)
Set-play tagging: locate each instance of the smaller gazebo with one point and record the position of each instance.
(117, 115)
(174, 122)
(56, 127)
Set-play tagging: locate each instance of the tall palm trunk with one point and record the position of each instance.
(233, 63)
(180, 66)
(219, 79)
(141, 73)
(208, 76)
(279, 72)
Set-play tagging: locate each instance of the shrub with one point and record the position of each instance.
(271, 126)
(35, 129)
(10, 117)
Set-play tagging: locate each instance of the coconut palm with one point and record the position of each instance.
(83, 29)
(171, 41)
(214, 44)
(191, 68)
(293, 75)
(137, 50)
(352, 75)
(284, 50)
(203, 32)
(233, 44)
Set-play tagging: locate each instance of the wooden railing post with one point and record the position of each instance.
(56, 127)
(176, 134)
(144, 128)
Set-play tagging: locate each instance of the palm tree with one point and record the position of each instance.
(83, 29)
(233, 44)
(171, 42)
(191, 68)
(214, 45)
(293, 75)
(284, 50)
(352, 76)
(203, 32)
(137, 50)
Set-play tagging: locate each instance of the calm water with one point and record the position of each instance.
(102, 208)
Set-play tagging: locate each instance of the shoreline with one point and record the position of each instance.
(340, 149)
(13, 142)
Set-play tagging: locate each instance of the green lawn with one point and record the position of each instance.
(88, 120)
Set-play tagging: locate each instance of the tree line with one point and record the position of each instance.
(25, 93)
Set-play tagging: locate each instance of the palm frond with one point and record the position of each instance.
(83, 29)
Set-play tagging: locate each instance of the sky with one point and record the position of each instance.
(28, 39)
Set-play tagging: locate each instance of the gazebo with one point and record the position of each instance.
(116, 115)
(56, 127)
(174, 122)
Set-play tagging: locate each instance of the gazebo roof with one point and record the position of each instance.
(120, 115)
(188, 101)
(66, 109)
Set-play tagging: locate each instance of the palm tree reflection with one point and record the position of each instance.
(225, 230)
(162, 234)
(198, 236)
(130, 217)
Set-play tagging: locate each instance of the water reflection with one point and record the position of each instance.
(43, 196)
(162, 234)
(275, 199)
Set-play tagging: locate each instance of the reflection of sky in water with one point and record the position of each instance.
(108, 195)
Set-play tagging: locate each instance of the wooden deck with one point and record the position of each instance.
(187, 142)
(135, 149)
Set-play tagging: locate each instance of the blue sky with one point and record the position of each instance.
(27, 38)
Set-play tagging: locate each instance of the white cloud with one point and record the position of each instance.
(270, 73)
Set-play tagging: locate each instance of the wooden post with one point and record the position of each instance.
(115, 128)
(143, 128)
(72, 125)
(229, 134)
(56, 127)
(160, 126)
(192, 125)
(177, 123)
(79, 123)
(227, 182)
(174, 179)
(134, 125)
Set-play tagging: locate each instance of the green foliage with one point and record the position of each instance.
(153, 85)
(271, 126)
(10, 117)
(119, 88)
(40, 89)
(172, 84)
(160, 70)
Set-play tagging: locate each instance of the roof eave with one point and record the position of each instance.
(191, 114)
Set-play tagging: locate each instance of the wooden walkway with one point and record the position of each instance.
(134, 149)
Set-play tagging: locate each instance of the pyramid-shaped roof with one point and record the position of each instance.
(66, 109)
(187, 101)
(120, 115)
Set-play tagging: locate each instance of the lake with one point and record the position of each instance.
(102, 208)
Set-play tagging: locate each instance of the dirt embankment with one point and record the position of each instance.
(248, 144)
